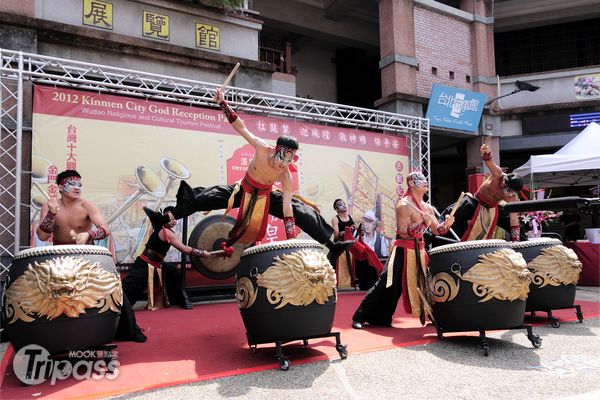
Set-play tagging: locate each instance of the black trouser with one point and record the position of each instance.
(366, 274)
(217, 197)
(379, 304)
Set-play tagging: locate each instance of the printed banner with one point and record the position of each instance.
(455, 108)
(133, 153)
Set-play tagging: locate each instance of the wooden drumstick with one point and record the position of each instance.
(216, 252)
(231, 74)
(462, 194)
(37, 185)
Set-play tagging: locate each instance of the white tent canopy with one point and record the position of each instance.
(576, 164)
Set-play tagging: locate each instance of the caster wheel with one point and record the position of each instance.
(532, 313)
(536, 341)
(284, 364)
(305, 342)
(555, 323)
(253, 348)
(342, 350)
(580, 317)
(486, 349)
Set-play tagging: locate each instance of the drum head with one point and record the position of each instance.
(208, 235)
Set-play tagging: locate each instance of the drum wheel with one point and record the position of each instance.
(535, 340)
(284, 363)
(342, 350)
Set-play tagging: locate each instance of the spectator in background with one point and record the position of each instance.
(570, 220)
(367, 274)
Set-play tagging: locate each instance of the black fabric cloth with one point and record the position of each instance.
(366, 274)
(379, 304)
(135, 283)
(217, 197)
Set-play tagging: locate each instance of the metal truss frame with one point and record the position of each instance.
(17, 67)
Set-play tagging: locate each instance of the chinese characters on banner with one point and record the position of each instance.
(454, 108)
(71, 146)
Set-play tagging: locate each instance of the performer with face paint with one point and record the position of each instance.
(70, 219)
(478, 215)
(405, 271)
(255, 196)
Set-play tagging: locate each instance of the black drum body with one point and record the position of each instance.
(478, 285)
(63, 298)
(286, 291)
(554, 273)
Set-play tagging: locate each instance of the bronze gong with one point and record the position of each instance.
(208, 235)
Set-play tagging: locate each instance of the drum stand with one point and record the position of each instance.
(555, 322)
(284, 361)
(535, 340)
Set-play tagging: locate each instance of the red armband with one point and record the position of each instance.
(47, 225)
(195, 253)
(228, 111)
(97, 234)
(290, 227)
(515, 233)
(486, 156)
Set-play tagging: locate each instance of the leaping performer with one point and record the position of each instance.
(478, 215)
(255, 196)
(405, 273)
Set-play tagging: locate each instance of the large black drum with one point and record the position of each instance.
(63, 298)
(285, 291)
(555, 272)
(478, 285)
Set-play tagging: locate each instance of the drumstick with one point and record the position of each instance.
(37, 185)
(216, 252)
(231, 74)
(462, 194)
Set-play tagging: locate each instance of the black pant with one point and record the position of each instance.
(366, 274)
(379, 304)
(217, 197)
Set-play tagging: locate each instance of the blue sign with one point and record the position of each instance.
(455, 108)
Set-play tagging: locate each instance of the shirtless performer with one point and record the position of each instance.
(255, 196)
(478, 215)
(406, 268)
(69, 219)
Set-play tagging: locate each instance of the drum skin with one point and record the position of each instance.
(544, 297)
(456, 306)
(63, 298)
(285, 291)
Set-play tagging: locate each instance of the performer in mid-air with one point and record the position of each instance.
(255, 196)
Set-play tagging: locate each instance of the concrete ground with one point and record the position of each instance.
(567, 366)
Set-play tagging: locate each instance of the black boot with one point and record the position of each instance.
(185, 200)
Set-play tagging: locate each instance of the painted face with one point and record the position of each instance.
(418, 179)
(341, 206)
(284, 155)
(71, 183)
